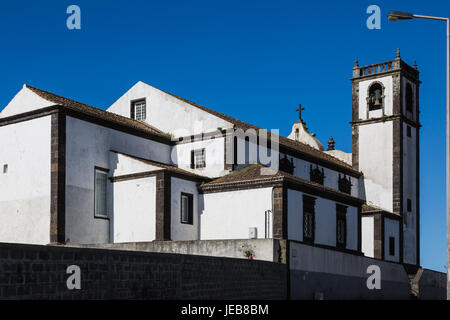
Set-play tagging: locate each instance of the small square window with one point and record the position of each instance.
(5, 168)
(392, 246)
(198, 159)
(408, 131)
(186, 208)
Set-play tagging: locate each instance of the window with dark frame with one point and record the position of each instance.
(392, 246)
(101, 178)
(316, 175)
(408, 131)
(409, 205)
(409, 98)
(139, 110)
(198, 159)
(345, 184)
(186, 208)
(341, 226)
(308, 219)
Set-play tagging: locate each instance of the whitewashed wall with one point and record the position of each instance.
(25, 188)
(182, 231)
(24, 101)
(134, 210)
(368, 233)
(167, 113)
(376, 162)
(391, 229)
(325, 221)
(83, 153)
(215, 154)
(229, 215)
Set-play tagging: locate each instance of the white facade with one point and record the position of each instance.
(230, 215)
(25, 182)
(325, 221)
(141, 165)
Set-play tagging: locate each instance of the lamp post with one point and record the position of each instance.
(395, 16)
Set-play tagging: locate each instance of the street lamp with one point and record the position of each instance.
(395, 16)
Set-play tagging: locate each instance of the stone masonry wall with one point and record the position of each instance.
(39, 272)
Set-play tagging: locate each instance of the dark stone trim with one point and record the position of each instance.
(163, 206)
(398, 197)
(359, 230)
(27, 116)
(386, 214)
(279, 201)
(134, 176)
(325, 193)
(385, 119)
(200, 137)
(417, 180)
(147, 174)
(378, 239)
(58, 178)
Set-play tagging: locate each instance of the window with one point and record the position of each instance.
(316, 175)
(138, 110)
(297, 134)
(409, 205)
(308, 218)
(101, 177)
(408, 131)
(375, 98)
(409, 98)
(341, 226)
(186, 208)
(198, 159)
(345, 184)
(5, 168)
(286, 165)
(392, 246)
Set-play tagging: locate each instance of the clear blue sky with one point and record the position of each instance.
(254, 60)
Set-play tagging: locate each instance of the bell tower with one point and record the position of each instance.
(385, 143)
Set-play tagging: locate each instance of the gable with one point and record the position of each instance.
(167, 112)
(25, 101)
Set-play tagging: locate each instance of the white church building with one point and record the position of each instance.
(155, 166)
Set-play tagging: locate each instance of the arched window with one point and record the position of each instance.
(409, 98)
(376, 97)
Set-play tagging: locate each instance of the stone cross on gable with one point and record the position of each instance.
(300, 111)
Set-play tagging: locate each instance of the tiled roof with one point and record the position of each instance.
(286, 142)
(255, 173)
(165, 166)
(99, 113)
